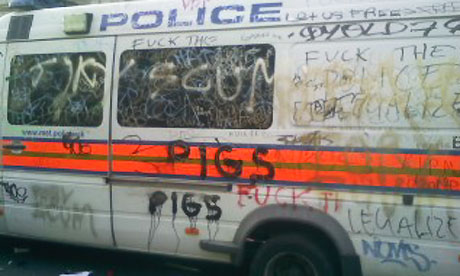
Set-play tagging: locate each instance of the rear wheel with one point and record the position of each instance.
(292, 255)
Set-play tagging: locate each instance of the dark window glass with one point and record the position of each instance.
(56, 89)
(226, 87)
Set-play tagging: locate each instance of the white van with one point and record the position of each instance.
(318, 137)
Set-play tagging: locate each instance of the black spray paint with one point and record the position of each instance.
(18, 194)
(191, 208)
(214, 214)
(156, 201)
(179, 151)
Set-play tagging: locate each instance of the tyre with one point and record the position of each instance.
(292, 255)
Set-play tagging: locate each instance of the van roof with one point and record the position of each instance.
(165, 16)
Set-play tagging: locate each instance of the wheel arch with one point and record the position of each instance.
(305, 217)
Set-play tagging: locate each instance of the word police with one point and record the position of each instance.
(220, 15)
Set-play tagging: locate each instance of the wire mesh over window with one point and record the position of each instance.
(63, 89)
(225, 87)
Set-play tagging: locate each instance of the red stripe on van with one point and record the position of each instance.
(90, 157)
(418, 171)
(56, 163)
(402, 170)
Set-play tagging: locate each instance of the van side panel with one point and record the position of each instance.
(361, 130)
(227, 120)
(56, 121)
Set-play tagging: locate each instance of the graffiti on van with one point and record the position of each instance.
(226, 167)
(213, 216)
(55, 206)
(315, 138)
(171, 41)
(412, 84)
(456, 142)
(64, 89)
(190, 207)
(357, 30)
(367, 12)
(72, 143)
(156, 201)
(194, 4)
(356, 165)
(414, 224)
(257, 13)
(402, 253)
(279, 195)
(174, 199)
(229, 87)
(15, 193)
(284, 196)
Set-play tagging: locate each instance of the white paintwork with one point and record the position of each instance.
(48, 22)
(435, 253)
(73, 208)
(3, 228)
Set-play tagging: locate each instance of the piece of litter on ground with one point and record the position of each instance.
(182, 267)
(84, 273)
(18, 250)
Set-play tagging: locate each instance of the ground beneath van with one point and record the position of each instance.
(24, 258)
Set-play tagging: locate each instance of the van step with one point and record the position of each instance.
(219, 246)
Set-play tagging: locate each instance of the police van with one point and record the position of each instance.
(317, 137)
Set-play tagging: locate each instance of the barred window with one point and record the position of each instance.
(64, 89)
(225, 87)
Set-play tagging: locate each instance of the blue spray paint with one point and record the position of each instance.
(401, 253)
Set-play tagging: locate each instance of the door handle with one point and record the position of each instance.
(169, 183)
(16, 147)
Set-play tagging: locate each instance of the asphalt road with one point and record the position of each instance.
(24, 258)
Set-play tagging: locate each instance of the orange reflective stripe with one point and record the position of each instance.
(396, 160)
(402, 170)
(141, 150)
(57, 163)
(58, 147)
(54, 155)
(300, 175)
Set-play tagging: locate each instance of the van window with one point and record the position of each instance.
(225, 87)
(64, 89)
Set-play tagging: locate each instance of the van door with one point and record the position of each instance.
(139, 205)
(2, 83)
(153, 197)
(56, 127)
(176, 99)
